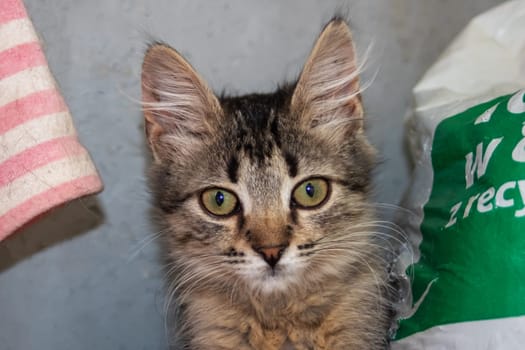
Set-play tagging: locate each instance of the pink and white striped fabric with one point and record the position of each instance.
(42, 164)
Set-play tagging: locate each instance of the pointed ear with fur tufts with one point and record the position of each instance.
(179, 109)
(327, 95)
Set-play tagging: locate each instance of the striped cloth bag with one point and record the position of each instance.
(42, 164)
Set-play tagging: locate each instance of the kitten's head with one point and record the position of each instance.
(265, 191)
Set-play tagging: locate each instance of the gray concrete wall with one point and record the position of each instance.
(88, 275)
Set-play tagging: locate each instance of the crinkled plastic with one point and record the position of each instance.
(466, 135)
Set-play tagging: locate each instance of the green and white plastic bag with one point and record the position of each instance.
(467, 137)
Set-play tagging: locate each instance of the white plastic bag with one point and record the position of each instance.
(467, 138)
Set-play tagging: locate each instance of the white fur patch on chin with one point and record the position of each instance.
(267, 280)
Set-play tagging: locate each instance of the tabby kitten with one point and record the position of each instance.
(265, 198)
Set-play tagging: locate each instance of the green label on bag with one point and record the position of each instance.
(472, 264)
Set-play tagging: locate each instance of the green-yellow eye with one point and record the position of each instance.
(310, 193)
(219, 201)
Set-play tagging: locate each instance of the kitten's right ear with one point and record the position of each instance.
(179, 108)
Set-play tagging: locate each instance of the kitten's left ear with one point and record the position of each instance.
(180, 110)
(326, 96)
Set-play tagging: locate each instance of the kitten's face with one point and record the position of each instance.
(264, 191)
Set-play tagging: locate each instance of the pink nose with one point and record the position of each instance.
(271, 254)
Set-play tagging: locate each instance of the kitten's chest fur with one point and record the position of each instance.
(330, 317)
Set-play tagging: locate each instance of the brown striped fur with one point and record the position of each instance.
(329, 288)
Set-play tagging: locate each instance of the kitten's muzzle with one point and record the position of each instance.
(271, 254)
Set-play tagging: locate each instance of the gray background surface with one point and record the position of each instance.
(88, 275)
